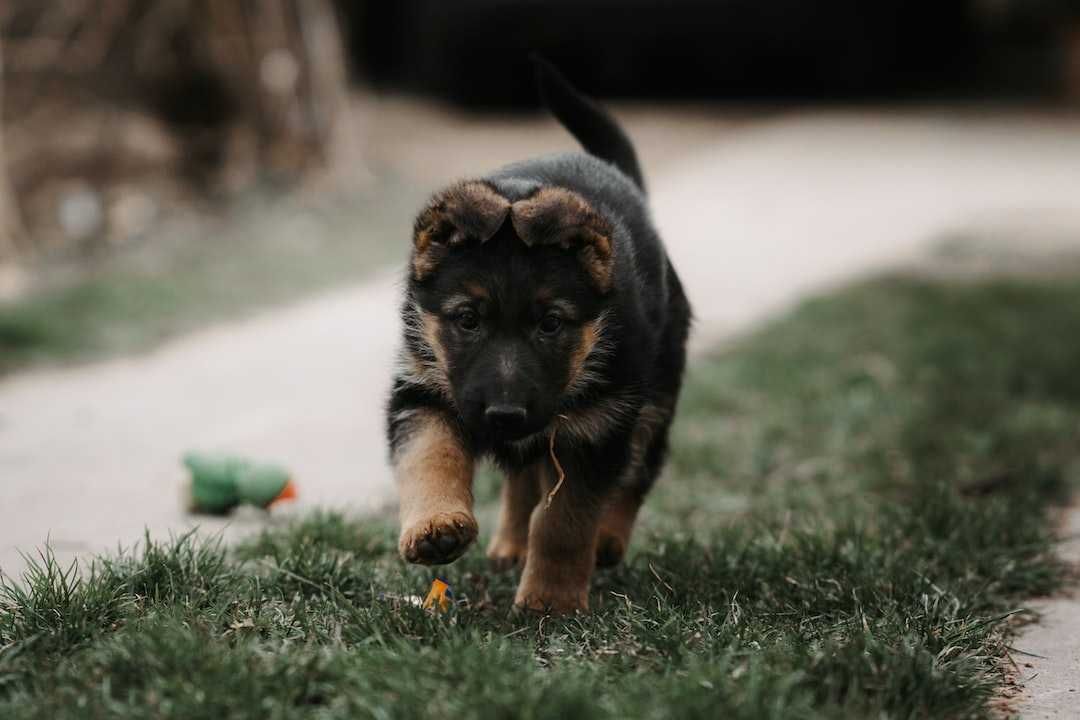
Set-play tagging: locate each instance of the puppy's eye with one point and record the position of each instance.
(468, 321)
(551, 324)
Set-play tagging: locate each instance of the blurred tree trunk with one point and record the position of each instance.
(284, 64)
(10, 227)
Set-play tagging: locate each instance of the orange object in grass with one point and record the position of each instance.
(439, 597)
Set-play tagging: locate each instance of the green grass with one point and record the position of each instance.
(262, 251)
(855, 508)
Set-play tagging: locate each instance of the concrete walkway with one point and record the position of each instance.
(1048, 652)
(770, 212)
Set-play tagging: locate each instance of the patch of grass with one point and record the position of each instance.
(264, 251)
(855, 507)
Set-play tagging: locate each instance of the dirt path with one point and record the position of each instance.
(88, 456)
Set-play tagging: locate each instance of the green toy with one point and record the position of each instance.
(219, 483)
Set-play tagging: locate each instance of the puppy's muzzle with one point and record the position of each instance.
(506, 420)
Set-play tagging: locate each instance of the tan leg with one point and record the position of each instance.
(434, 474)
(562, 550)
(616, 525)
(520, 493)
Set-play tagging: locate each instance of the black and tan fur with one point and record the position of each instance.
(541, 314)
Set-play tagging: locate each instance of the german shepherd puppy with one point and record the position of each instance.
(545, 327)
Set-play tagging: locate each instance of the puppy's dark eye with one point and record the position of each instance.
(551, 324)
(468, 321)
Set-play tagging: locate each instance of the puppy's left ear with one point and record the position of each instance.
(556, 216)
(470, 210)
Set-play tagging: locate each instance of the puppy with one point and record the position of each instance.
(544, 327)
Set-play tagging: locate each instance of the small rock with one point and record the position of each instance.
(80, 212)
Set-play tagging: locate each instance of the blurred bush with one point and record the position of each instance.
(113, 109)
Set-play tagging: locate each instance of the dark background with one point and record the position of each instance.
(473, 51)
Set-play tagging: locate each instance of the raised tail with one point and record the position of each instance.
(597, 131)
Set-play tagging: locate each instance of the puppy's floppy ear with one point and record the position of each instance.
(470, 210)
(556, 216)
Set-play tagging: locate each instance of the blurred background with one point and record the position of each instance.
(170, 169)
(119, 116)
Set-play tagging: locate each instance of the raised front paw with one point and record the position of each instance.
(439, 539)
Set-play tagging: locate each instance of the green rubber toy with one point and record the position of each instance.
(219, 483)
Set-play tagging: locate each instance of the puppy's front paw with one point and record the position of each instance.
(558, 601)
(439, 539)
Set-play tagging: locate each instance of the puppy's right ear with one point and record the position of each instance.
(470, 210)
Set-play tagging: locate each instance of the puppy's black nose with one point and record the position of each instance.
(506, 418)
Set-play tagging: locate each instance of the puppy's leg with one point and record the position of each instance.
(648, 446)
(616, 525)
(434, 472)
(520, 493)
(562, 547)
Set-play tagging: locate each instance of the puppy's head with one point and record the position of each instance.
(511, 299)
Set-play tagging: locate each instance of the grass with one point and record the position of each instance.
(855, 508)
(262, 251)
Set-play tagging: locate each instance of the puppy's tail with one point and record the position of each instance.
(597, 131)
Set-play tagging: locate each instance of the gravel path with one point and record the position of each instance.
(769, 212)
